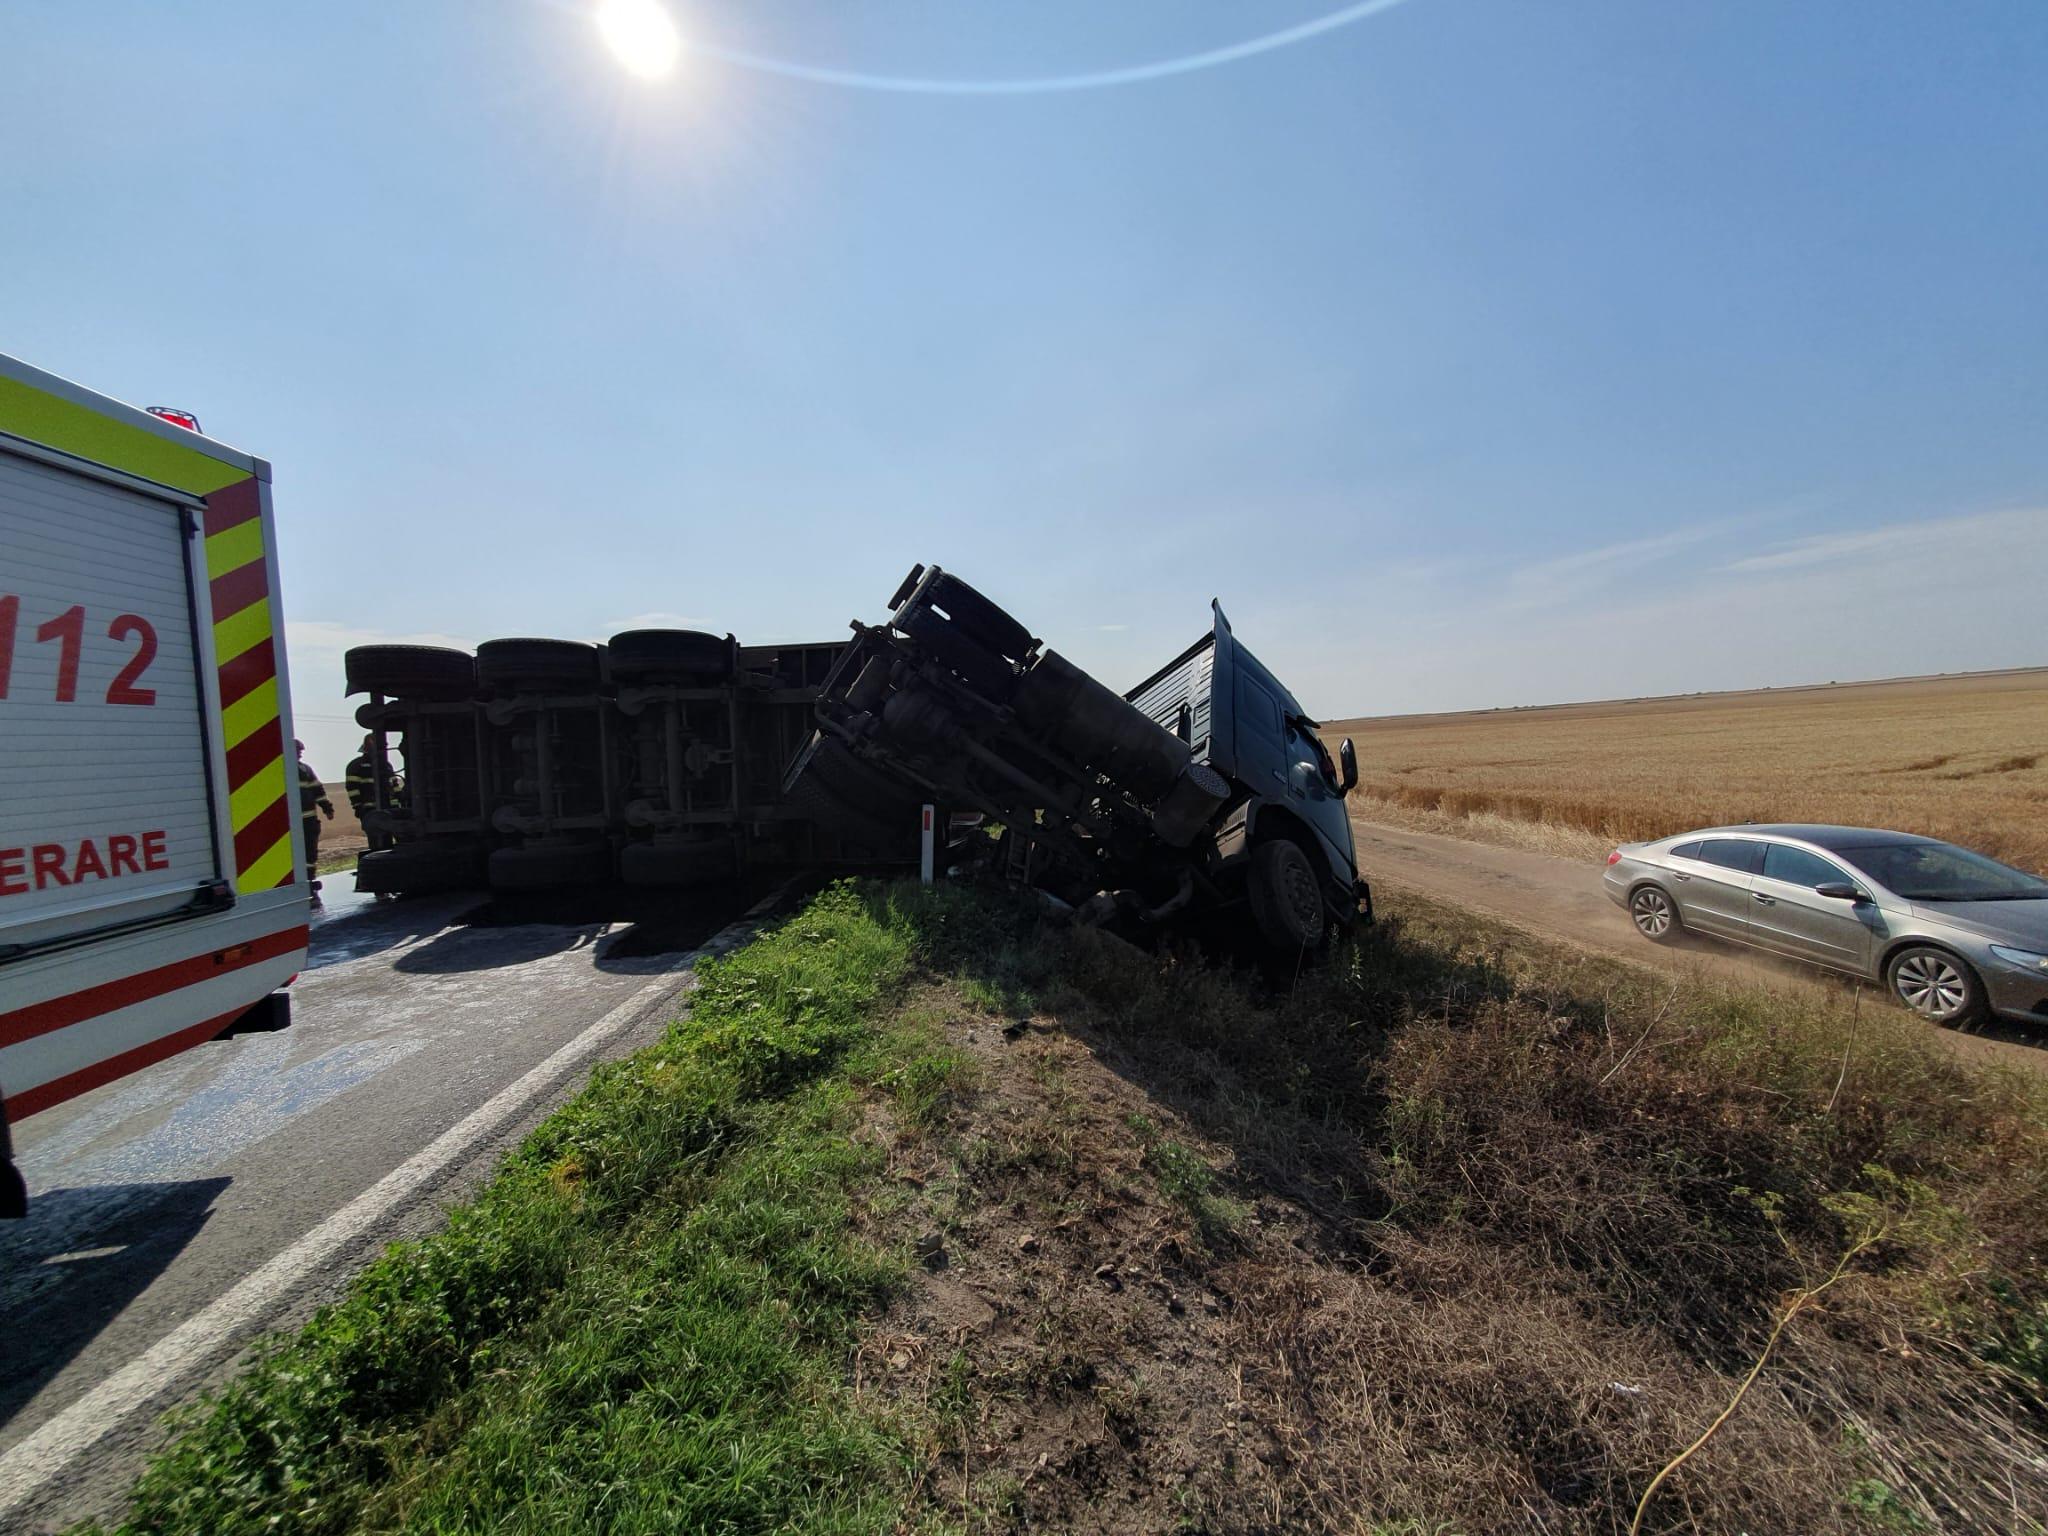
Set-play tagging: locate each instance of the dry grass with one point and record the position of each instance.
(1963, 758)
(1468, 1233)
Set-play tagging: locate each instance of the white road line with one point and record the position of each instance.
(35, 1462)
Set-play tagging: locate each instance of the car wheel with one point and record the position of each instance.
(1286, 898)
(1654, 914)
(1936, 985)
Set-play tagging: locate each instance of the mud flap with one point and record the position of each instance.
(13, 1187)
(266, 1017)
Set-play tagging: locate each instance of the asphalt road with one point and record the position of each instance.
(178, 1213)
(1562, 899)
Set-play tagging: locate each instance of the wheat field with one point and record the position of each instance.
(1962, 757)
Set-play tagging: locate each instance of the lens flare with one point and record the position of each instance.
(640, 35)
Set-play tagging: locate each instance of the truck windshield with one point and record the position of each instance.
(1305, 729)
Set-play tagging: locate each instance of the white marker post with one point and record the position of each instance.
(924, 856)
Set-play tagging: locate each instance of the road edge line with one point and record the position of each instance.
(40, 1458)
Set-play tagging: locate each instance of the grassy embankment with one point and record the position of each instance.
(1962, 758)
(938, 1216)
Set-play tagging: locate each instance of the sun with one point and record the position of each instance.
(641, 35)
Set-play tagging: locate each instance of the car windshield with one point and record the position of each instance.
(1943, 872)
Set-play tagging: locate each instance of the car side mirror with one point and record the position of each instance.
(1347, 766)
(1840, 890)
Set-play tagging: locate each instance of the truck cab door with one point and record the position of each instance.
(1263, 753)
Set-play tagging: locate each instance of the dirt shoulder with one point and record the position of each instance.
(1561, 898)
(941, 1215)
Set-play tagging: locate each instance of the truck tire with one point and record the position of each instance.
(873, 791)
(546, 866)
(973, 663)
(1286, 897)
(415, 868)
(671, 655)
(430, 673)
(979, 619)
(709, 861)
(886, 840)
(546, 666)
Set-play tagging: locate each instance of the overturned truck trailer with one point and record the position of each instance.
(653, 760)
(1206, 786)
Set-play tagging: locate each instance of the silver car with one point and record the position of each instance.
(1954, 935)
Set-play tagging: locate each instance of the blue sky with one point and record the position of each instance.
(1481, 352)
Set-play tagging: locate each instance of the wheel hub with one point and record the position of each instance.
(1299, 887)
(1931, 986)
(1652, 913)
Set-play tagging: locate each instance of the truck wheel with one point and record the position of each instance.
(412, 868)
(975, 664)
(978, 618)
(886, 841)
(427, 672)
(547, 866)
(706, 862)
(670, 655)
(548, 666)
(1286, 898)
(872, 791)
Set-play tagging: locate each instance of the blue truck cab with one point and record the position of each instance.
(1205, 787)
(1243, 722)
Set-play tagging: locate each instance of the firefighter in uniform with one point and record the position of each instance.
(360, 780)
(312, 799)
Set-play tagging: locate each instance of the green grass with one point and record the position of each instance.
(1517, 1175)
(642, 1322)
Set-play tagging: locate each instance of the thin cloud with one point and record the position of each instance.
(1571, 576)
(1578, 575)
(1947, 594)
(662, 620)
(325, 635)
(1892, 539)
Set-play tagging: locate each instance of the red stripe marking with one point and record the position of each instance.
(231, 506)
(57, 1012)
(257, 838)
(246, 673)
(235, 590)
(85, 1079)
(255, 752)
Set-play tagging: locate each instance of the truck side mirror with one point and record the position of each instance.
(1347, 766)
